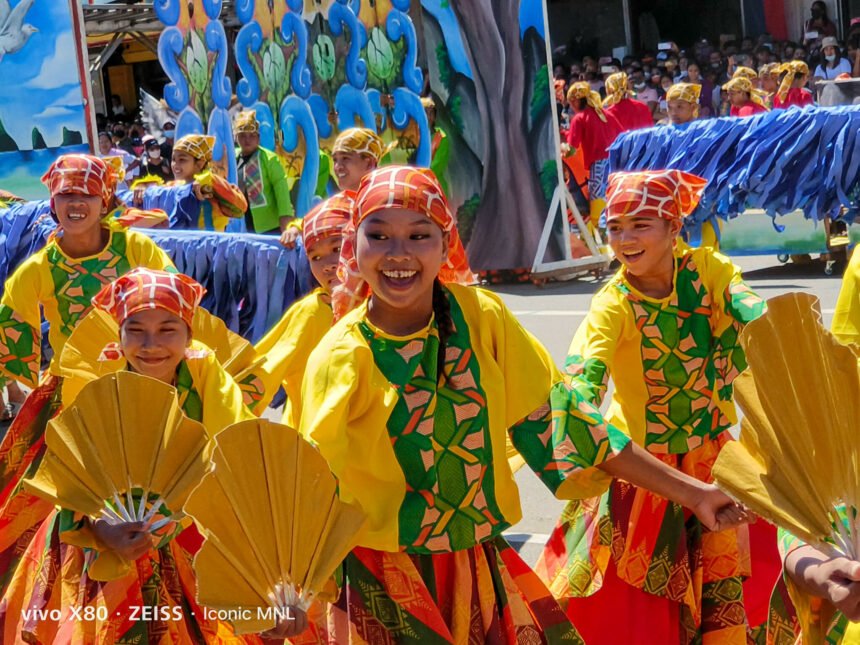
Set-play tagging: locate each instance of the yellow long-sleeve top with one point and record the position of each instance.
(672, 359)
(63, 288)
(846, 317)
(425, 457)
(285, 350)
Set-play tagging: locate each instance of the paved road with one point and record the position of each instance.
(553, 313)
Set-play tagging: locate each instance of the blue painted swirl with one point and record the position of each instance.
(407, 105)
(320, 109)
(168, 11)
(296, 117)
(170, 45)
(375, 98)
(212, 8)
(248, 40)
(294, 27)
(267, 125)
(221, 127)
(216, 41)
(244, 10)
(399, 25)
(401, 5)
(351, 103)
(189, 122)
(341, 17)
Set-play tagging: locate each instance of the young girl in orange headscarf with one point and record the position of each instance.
(665, 329)
(410, 397)
(87, 251)
(152, 600)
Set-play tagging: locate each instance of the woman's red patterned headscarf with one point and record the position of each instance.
(143, 289)
(82, 175)
(397, 187)
(326, 219)
(665, 194)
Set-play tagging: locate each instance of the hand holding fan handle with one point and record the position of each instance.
(130, 540)
(829, 576)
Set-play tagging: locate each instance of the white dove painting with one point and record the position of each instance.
(42, 115)
(14, 30)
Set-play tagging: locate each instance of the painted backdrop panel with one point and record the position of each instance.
(42, 111)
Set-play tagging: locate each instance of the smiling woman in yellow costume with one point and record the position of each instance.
(665, 329)
(154, 311)
(87, 251)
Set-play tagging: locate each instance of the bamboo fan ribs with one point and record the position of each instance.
(275, 529)
(797, 463)
(123, 452)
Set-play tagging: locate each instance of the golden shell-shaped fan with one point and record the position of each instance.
(124, 438)
(275, 529)
(798, 457)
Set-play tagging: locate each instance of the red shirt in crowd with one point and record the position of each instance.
(631, 114)
(799, 96)
(592, 136)
(749, 109)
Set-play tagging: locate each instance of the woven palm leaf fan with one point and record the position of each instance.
(275, 529)
(123, 452)
(798, 457)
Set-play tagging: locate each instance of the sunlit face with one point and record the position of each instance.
(154, 343)
(323, 256)
(185, 166)
(769, 83)
(643, 245)
(350, 168)
(105, 144)
(78, 214)
(249, 142)
(738, 98)
(399, 254)
(681, 111)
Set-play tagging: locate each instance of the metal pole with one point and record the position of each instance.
(628, 26)
(743, 20)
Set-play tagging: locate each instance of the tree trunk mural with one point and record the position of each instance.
(512, 206)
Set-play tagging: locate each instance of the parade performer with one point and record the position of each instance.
(683, 103)
(665, 329)
(629, 112)
(86, 251)
(262, 180)
(287, 346)
(410, 396)
(818, 599)
(745, 99)
(768, 76)
(592, 131)
(215, 200)
(747, 73)
(355, 153)
(792, 90)
(154, 311)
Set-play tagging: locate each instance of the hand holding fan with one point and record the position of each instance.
(275, 529)
(797, 460)
(124, 439)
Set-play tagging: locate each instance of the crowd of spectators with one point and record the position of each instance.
(711, 65)
(123, 134)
